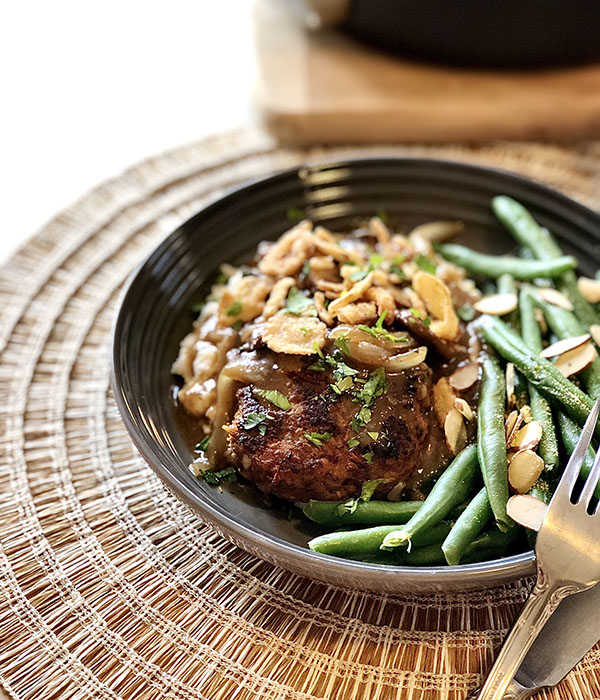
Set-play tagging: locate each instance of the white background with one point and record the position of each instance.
(89, 88)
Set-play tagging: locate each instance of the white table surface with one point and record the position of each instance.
(89, 88)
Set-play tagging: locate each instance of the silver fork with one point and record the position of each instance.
(568, 561)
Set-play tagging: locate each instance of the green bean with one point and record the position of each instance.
(368, 541)
(491, 440)
(451, 489)
(529, 233)
(474, 518)
(569, 433)
(489, 545)
(566, 325)
(540, 408)
(505, 284)
(369, 513)
(494, 265)
(541, 373)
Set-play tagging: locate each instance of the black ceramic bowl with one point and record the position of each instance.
(155, 315)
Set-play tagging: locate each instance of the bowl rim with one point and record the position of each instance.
(273, 548)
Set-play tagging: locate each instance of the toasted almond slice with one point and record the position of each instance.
(510, 384)
(436, 231)
(525, 413)
(464, 377)
(527, 437)
(553, 296)
(541, 319)
(443, 399)
(404, 360)
(395, 493)
(497, 304)
(512, 424)
(438, 300)
(528, 511)
(575, 361)
(524, 469)
(563, 346)
(595, 333)
(464, 409)
(589, 289)
(455, 431)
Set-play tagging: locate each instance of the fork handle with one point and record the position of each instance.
(540, 605)
(515, 691)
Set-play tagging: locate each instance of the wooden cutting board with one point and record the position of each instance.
(325, 87)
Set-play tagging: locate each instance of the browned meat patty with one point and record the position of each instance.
(283, 461)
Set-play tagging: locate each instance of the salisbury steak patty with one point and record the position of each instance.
(322, 447)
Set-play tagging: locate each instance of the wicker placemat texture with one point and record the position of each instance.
(109, 586)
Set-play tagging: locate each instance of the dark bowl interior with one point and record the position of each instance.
(155, 315)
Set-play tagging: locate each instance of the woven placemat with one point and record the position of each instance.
(109, 586)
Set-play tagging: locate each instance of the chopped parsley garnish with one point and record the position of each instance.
(256, 420)
(353, 442)
(425, 263)
(318, 439)
(466, 312)
(317, 350)
(378, 331)
(375, 386)
(348, 506)
(297, 303)
(369, 488)
(295, 214)
(341, 342)
(368, 457)
(360, 419)
(306, 267)
(215, 478)
(342, 385)
(275, 397)
(202, 446)
(360, 274)
(415, 312)
(373, 435)
(375, 259)
(395, 268)
(234, 309)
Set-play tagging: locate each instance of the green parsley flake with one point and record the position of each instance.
(368, 457)
(375, 386)
(202, 446)
(361, 419)
(348, 506)
(256, 420)
(379, 332)
(372, 435)
(297, 303)
(343, 385)
(369, 488)
(425, 263)
(359, 274)
(375, 260)
(234, 309)
(215, 478)
(275, 397)
(341, 342)
(415, 312)
(353, 442)
(317, 350)
(318, 439)
(306, 267)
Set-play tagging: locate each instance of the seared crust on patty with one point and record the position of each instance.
(286, 463)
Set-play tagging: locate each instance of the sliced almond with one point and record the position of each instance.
(595, 333)
(497, 304)
(553, 296)
(589, 289)
(524, 469)
(438, 301)
(464, 409)
(464, 377)
(527, 511)
(443, 399)
(512, 424)
(405, 360)
(527, 437)
(294, 335)
(541, 319)
(563, 346)
(510, 384)
(435, 231)
(575, 361)
(525, 413)
(455, 431)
